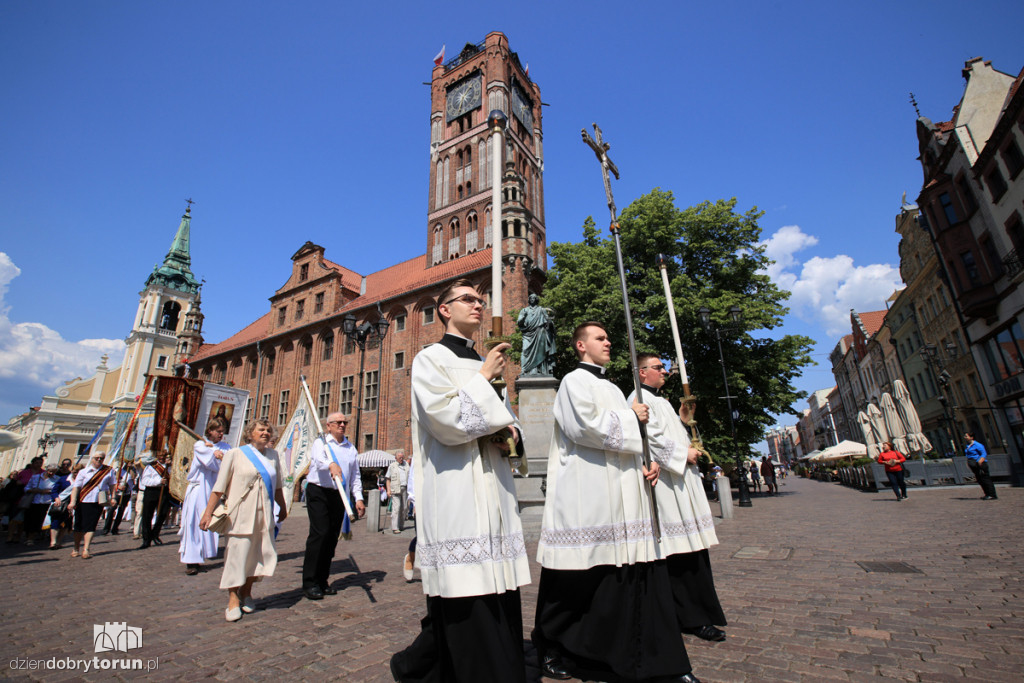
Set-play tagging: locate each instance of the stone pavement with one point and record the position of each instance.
(800, 607)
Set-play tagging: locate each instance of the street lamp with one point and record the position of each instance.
(359, 334)
(735, 315)
(931, 355)
(45, 442)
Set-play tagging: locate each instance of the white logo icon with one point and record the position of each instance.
(116, 636)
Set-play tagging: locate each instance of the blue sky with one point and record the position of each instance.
(288, 122)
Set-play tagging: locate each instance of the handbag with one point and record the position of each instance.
(220, 519)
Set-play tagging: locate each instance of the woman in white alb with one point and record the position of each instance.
(198, 545)
(248, 477)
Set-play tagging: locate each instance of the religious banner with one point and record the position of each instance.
(295, 446)
(226, 403)
(184, 451)
(177, 400)
(139, 436)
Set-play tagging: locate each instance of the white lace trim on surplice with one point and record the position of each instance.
(471, 418)
(593, 536)
(454, 552)
(688, 527)
(663, 456)
(614, 440)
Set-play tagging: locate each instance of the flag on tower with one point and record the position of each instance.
(527, 69)
(439, 57)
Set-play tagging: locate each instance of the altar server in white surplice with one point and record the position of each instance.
(197, 545)
(470, 549)
(604, 605)
(687, 527)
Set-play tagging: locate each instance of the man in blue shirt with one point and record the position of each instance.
(977, 460)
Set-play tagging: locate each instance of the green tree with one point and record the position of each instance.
(714, 260)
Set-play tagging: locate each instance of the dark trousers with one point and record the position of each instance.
(326, 513)
(984, 480)
(898, 482)
(150, 499)
(114, 515)
(693, 590)
(467, 640)
(611, 623)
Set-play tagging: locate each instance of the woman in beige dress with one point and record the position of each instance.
(247, 475)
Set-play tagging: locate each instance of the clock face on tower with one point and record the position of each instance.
(463, 97)
(521, 107)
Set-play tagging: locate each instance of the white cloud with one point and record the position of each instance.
(36, 358)
(826, 288)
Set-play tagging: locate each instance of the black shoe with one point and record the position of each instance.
(114, 532)
(313, 592)
(143, 546)
(327, 590)
(158, 541)
(685, 678)
(707, 632)
(990, 498)
(192, 569)
(552, 666)
(106, 532)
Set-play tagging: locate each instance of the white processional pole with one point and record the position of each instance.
(680, 362)
(338, 481)
(497, 120)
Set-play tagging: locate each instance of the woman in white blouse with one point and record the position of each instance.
(90, 492)
(248, 477)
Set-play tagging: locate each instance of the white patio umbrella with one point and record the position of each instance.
(9, 440)
(844, 449)
(917, 442)
(375, 458)
(869, 433)
(894, 424)
(809, 456)
(878, 431)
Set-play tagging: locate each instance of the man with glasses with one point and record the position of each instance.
(687, 527)
(470, 547)
(329, 459)
(396, 484)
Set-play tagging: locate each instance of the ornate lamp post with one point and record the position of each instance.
(46, 442)
(705, 320)
(932, 355)
(359, 334)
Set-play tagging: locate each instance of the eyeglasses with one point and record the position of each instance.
(338, 422)
(659, 366)
(469, 300)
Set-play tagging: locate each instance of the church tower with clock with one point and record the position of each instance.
(484, 77)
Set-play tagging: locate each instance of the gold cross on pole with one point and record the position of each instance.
(601, 148)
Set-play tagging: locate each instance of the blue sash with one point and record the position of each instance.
(250, 453)
(346, 525)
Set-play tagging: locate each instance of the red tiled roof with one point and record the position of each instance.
(349, 278)
(248, 335)
(397, 280)
(872, 321)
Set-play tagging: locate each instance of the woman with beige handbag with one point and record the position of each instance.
(250, 479)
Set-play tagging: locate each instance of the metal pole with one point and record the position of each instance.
(380, 383)
(359, 402)
(744, 497)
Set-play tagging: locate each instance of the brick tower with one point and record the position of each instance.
(484, 77)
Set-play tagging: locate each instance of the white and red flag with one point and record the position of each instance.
(439, 57)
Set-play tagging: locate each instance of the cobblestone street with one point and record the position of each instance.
(791, 572)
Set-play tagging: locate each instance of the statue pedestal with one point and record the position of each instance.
(536, 415)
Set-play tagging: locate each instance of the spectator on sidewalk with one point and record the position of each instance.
(39, 487)
(977, 460)
(894, 469)
(768, 472)
(755, 477)
(396, 485)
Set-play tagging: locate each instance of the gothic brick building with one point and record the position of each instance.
(303, 332)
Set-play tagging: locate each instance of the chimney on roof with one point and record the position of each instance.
(362, 286)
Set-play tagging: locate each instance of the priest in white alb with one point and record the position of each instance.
(470, 548)
(604, 608)
(687, 527)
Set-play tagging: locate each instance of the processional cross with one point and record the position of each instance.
(601, 148)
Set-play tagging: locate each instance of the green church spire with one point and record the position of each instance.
(176, 272)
